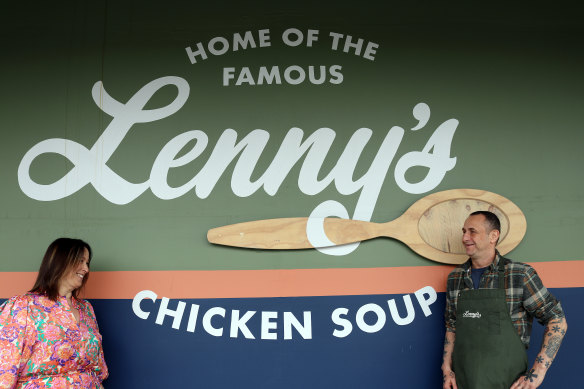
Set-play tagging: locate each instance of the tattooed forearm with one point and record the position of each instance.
(553, 346)
(449, 338)
(552, 339)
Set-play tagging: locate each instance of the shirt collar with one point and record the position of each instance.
(492, 267)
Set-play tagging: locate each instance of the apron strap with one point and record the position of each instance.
(501, 278)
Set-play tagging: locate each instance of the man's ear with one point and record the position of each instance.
(494, 236)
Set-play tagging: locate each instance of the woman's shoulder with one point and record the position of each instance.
(18, 300)
(31, 300)
(15, 304)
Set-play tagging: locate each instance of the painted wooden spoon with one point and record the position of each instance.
(431, 227)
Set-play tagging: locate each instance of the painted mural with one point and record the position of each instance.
(139, 127)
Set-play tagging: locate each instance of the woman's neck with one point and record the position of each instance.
(66, 293)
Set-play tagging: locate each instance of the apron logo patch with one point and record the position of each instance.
(472, 315)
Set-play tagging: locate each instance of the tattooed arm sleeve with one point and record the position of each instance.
(544, 306)
(448, 377)
(553, 335)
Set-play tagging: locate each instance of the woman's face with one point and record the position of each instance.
(73, 278)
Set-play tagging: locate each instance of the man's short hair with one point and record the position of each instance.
(491, 218)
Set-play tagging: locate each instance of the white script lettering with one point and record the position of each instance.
(472, 315)
(90, 165)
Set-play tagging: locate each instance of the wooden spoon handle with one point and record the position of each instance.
(290, 233)
(430, 227)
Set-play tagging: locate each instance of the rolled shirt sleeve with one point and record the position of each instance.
(452, 289)
(537, 300)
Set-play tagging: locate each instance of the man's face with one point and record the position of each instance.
(477, 240)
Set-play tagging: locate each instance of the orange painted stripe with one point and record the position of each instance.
(280, 283)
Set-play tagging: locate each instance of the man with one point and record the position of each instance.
(488, 322)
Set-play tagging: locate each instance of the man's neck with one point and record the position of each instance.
(478, 263)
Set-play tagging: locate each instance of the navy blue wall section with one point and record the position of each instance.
(135, 347)
(143, 354)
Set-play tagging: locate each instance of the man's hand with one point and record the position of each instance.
(449, 380)
(531, 380)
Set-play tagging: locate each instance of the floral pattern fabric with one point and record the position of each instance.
(43, 346)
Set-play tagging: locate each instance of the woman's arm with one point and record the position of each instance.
(13, 318)
(102, 366)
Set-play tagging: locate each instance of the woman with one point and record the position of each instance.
(49, 337)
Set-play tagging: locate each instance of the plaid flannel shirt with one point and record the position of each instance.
(526, 296)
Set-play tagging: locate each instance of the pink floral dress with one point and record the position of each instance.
(43, 346)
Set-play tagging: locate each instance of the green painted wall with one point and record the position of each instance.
(511, 76)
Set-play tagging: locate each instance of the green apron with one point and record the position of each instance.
(488, 352)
